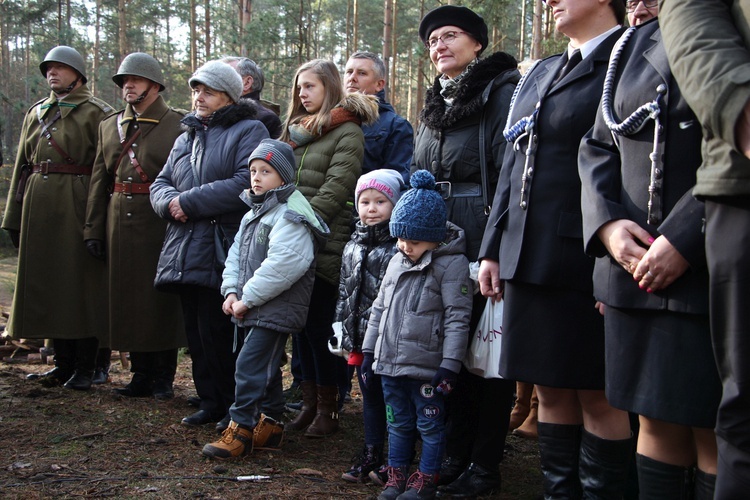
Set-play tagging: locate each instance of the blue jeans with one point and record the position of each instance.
(413, 406)
(258, 377)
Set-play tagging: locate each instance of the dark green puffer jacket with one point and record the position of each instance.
(327, 173)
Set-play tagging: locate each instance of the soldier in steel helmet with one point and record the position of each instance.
(60, 288)
(122, 228)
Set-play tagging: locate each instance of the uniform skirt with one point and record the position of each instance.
(660, 365)
(552, 337)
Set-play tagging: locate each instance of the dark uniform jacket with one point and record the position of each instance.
(543, 243)
(60, 289)
(615, 180)
(141, 319)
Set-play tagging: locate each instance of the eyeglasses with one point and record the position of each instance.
(447, 38)
(630, 5)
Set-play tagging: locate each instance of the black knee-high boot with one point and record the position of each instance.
(559, 448)
(603, 467)
(704, 485)
(662, 481)
(85, 363)
(164, 369)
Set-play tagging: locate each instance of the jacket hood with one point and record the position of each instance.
(244, 109)
(364, 106)
(468, 98)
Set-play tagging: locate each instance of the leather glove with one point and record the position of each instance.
(366, 369)
(444, 380)
(15, 237)
(95, 248)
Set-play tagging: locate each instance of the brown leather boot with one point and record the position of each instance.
(309, 406)
(521, 409)
(528, 429)
(327, 419)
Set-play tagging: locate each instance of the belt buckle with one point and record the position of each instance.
(445, 188)
(127, 188)
(44, 167)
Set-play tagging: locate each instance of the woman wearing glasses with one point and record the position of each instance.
(460, 142)
(532, 255)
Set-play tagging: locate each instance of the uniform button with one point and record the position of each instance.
(129, 215)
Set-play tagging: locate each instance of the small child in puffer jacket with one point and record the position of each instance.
(267, 283)
(417, 334)
(363, 266)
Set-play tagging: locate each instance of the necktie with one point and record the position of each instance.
(571, 63)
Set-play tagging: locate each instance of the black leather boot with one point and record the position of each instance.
(451, 469)
(141, 384)
(475, 481)
(64, 365)
(603, 465)
(704, 485)
(164, 369)
(85, 363)
(369, 460)
(662, 481)
(101, 372)
(559, 448)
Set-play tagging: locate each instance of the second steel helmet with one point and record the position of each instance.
(140, 64)
(66, 55)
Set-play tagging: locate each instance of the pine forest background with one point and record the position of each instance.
(278, 34)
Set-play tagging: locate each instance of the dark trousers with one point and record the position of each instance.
(727, 241)
(311, 344)
(478, 418)
(211, 339)
(373, 409)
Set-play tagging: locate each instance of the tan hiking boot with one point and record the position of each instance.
(236, 441)
(268, 434)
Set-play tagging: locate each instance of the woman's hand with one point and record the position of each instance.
(660, 266)
(175, 210)
(490, 284)
(624, 240)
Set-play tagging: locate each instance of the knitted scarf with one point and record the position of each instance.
(450, 85)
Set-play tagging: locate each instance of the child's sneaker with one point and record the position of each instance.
(268, 434)
(420, 486)
(396, 483)
(370, 460)
(235, 442)
(379, 476)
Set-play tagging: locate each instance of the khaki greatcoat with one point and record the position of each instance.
(60, 289)
(141, 319)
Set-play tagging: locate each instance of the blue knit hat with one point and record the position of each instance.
(420, 214)
(279, 155)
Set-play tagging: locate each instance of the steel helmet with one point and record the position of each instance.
(66, 55)
(140, 64)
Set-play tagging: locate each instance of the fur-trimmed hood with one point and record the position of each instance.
(244, 109)
(364, 106)
(468, 98)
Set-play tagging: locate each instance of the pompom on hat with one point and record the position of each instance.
(420, 214)
(384, 180)
(277, 154)
(452, 15)
(218, 76)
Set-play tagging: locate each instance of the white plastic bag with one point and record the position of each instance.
(483, 355)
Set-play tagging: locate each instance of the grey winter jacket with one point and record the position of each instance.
(271, 265)
(209, 197)
(363, 267)
(420, 319)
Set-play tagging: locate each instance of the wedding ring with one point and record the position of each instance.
(650, 274)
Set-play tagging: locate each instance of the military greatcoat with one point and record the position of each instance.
(141, 319)
(60, 289)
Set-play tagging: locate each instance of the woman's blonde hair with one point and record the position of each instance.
(329, 76)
